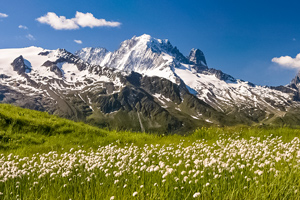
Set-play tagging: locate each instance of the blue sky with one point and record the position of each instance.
(238, 37)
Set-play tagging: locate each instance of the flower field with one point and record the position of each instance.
(234, 167)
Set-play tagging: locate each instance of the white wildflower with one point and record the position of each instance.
(134, 194)
(197, 194)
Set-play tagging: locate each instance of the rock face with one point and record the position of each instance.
(197, 57)
(145, 85)
(19, 66)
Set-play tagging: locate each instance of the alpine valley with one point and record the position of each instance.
(145, 85)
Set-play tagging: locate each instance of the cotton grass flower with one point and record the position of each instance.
(135, 194)
(197, 194)
(179, 166)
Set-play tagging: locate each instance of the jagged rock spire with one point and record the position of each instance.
(197, 57)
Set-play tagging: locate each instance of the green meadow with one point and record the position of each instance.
(46, 157)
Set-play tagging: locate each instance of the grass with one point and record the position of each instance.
(86, 160)
(24, 132)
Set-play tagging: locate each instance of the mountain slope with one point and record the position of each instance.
(60, 83)
(155, 57)
(145, 85)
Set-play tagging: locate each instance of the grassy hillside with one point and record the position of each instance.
(25, 132)
(29, 130)
(18, 120)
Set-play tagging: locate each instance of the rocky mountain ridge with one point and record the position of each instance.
(145, 85)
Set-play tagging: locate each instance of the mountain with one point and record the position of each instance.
(63, 84)
(154, 57)
(147, 84)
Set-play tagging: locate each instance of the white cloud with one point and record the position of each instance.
(88, 19)
(3, 15)
(22, 27)
(80, 20)
(58, 23)
(30, 37)
(288, 62)
(78, 41)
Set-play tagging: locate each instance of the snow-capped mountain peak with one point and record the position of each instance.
(92, 55)
(156, 57)
(159, 46)
(147, 78)
(143, 54)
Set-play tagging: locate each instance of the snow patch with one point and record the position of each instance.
(194, 117)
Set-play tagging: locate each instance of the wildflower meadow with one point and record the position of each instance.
(229, 168)
(46, 157)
